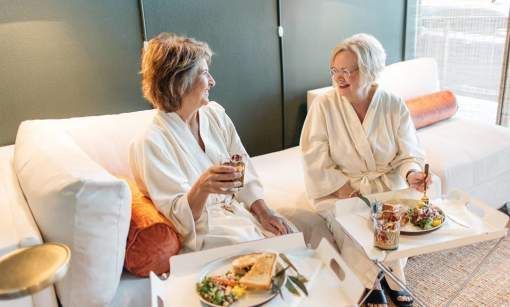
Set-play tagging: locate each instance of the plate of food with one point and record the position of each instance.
(240, 281)
(416, 216)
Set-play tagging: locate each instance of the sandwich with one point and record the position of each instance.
(391, 207)
(261, 272)
(243, 264)
(392, 212)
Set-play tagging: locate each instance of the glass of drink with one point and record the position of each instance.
(238, 161)
(386, 233)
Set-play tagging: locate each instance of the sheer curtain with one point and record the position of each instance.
(468, 40)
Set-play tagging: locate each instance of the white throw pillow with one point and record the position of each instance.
(77, 202)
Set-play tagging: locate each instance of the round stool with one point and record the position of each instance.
(31, 269)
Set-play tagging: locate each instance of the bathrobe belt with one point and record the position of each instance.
(365, 180)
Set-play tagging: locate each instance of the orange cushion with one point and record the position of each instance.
(429, 109)
(152, 238)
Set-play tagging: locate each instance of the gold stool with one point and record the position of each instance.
(31, 269)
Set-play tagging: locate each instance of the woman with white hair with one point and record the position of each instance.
(360, 139)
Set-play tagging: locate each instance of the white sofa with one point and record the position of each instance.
(68, 158)
(65, 175)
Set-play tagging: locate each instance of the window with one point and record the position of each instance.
(467, 38)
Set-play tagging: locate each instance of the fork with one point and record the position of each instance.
(425, 198)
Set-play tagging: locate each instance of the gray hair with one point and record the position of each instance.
(369, 52)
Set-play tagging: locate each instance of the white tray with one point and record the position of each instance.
(324, 288)
(485, 223)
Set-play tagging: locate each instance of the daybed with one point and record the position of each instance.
(61, 175)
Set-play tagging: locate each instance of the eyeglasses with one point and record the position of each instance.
(346, 74)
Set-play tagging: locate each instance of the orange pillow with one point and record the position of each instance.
(152, 238)
(429, 109)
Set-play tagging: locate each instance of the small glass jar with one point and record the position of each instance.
(386, 234)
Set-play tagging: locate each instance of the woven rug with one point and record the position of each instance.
(437, 277)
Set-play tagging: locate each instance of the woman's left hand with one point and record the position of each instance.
(416, 180)
(274, 224)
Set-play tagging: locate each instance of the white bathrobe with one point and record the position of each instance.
(166, 160)
(373, 156)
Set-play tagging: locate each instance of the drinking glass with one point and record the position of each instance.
(238, 161)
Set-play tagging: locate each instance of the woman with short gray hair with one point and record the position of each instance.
(370, 55)
(359, 139)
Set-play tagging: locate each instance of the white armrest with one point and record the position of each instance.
(8, 235)
(17, 226)
(412, 78)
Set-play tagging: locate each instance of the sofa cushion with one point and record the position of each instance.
(106, 138)
(152, 238)
(77, 202)
(429, 109)
(281, 174)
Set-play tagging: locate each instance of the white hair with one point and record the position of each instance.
(369, 52)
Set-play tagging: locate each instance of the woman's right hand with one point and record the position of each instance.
(417, 180)
(219, 179)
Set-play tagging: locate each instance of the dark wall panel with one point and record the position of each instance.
(67, 58)
(313, 28)
(246, 63)
(75, 58)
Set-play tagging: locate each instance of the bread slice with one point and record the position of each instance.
(391, 207)
(259, 276)
(243, 264)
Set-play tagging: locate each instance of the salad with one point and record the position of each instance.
(221, 290)
(425, 216)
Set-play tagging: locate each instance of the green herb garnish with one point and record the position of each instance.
(291, 288)
(298, 283)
